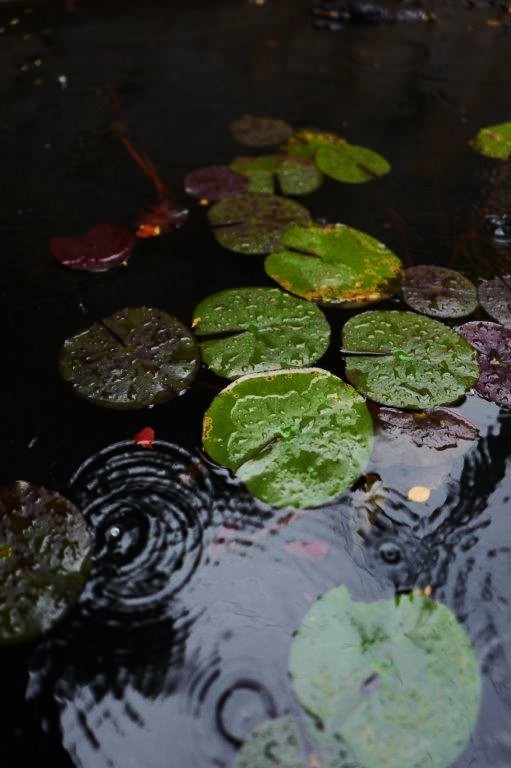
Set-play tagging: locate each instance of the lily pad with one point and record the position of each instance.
(44, 560)
(102, 247)
(259, 329)
(254, 223)
(407, 360)
(274, 744)
(135, 358)
(336, 265)
(292, 175)
(260, 131)
(215, 182)
(493, 345)
(295, 438)
(494, 141)
(439, 292)
(495, 298)
(387, 684)
(439, 428)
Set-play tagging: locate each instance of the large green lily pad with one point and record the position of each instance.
(494, 141)
(259, 329)
(407, 360)
(254, 223)
(295, 438)
(388, 684)
(335, 264)
(135, 358)
(274, 744)
(44, 560)
(270, 173)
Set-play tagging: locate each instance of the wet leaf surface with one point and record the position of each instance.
(260, 329)
(295, 438)
(420, 363)
(215, 182)
(336, 265)
(44, 560)
(254, 223)
(274, 744)
(494, 141)
(493, 345)
(495, 298)
(439, 292)
(102, 247)
(260, 131)
(135, 358)
(439, 428)
(279, 173)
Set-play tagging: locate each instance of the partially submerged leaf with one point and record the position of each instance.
(295, 438)
(494, 141)
(273, 173)
(335, 264)
(260, 131)
(407, 360)
(495, 298)
(215, 182)
(254, 223)
(135, 358)
(493, 345)
(439, 292)
(161, 218)
(438, 428)
(102, 247)
(274, 744)
(259, 329)
(45, 553)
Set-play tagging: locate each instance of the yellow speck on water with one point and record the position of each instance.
(419, 493)
(428, 590)
(14, 21)
(493, 23)
(203, 201)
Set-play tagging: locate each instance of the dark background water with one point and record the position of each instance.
(180, 643)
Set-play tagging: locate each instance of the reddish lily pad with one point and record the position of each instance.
(493, 345)
(495, 297)
(260, 131)
(44, 560)
(439, 292)
(293, 175)
(215, 182)
(254, 223)
(438, 428)
(104, 246)
(135, 358)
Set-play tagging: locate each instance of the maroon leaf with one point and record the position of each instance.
(438, 428)
(260, 131)
(493, 345)
(215, 182)
(439, 292)
(104, 246)
(495, 297)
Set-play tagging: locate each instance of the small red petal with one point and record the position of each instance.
(145, 437)
(307, 548)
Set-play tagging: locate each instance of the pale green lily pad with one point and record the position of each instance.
(296, 438)
(336, 265)
(274, 744)
(419, 362)
(272, 173)
(260, 329)
(494, 141)
(388, 684)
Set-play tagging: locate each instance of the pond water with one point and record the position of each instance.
(180, 644)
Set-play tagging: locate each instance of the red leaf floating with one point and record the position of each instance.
(104, 246)
(145, 438)
(307, 548)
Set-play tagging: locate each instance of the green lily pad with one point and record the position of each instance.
(274, 744)
(494, 141)
(260, 131)
(439, 292)
(387, 684)
(407, 360)
(335, 264)
(292, 175)
(259, 329)
(135, 358)
(254, 223)
(44, 560)
(296, 438)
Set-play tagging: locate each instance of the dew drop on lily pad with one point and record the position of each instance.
(215, 182)
(495, 298)
(279, 173)
(260, 131)
(45, 553)
(273, 744)
(493, 345)
(439, 292)
(104, 246)
(135, 358)
(494, 141)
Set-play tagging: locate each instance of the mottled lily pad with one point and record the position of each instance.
(44, 560)
(259, 329)
(495, 297)
(295, 438)
(135, 358)
(260, 131)
(215, 182)
(387, 684)
(102, 247)
(494, 141)
(254, 223)
(439, 292)
(493, 345)
(274, 744)
(335, 264)
(407, 360)
(438, 428)
(272, 173)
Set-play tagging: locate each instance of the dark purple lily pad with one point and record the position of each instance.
(215, 182)
(438, 428)
(44, 560)
(135, 358)
(254, 223)
(260, 131)
(495, 297)
(493, 345)
(104, 246)
(439, 292)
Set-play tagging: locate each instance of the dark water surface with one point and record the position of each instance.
(180, 644)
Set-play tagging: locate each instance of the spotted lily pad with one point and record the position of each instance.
(495, 297)
(274, 744)
(493, 345)
(254, 223)
(407, 360)
(438, 428)
(44, 560)
(215, 182)
(295, 438)
(292, 175)
(135, 358)
(335, 264)
(259, 329)
(494, 141)
(439, 292)
(102, 247)
(387, 684)
(260, 131)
